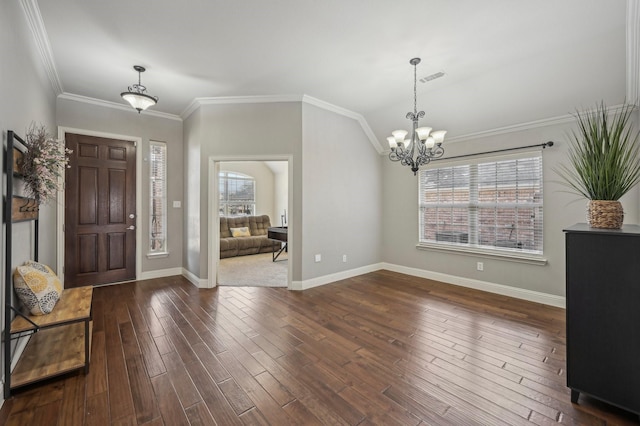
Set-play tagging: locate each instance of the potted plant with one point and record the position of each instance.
(603, 162)
(43, 163)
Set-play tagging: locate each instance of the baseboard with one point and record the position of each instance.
(518, 293)
(327, 279)
(505, 290)
(160, 273)
(193, 279)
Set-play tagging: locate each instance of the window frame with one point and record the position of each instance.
(164, 250)
(472, 207)
(223, 205)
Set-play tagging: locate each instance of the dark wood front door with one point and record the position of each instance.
(100, 201)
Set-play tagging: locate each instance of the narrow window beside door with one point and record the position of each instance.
(158, 201)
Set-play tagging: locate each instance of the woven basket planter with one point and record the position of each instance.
(605, 214)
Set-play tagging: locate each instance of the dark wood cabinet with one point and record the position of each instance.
(603, 314)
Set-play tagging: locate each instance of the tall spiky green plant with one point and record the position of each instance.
(604, 161)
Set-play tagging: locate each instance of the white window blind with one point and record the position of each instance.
(237, 194)
(495, 205)
(158, 199)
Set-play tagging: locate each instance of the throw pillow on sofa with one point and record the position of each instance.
(240, 232)
(37, 286)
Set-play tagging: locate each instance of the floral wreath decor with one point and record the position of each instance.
(43, 163)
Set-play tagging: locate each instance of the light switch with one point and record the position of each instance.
(177, 204)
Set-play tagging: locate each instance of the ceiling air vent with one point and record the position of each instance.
(431, 77)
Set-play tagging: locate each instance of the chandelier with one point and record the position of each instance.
(423, 145)
(136, 95)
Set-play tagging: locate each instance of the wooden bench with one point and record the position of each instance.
(60, 341)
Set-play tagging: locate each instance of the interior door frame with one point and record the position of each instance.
(60, 198)
(213, 259)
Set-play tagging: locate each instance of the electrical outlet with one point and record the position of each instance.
(344, 258)
(480, 266)
(318, 258)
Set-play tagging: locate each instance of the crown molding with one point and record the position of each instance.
(198, 102)
(39, 32)
(347, 113)
(114, 105)
(633, 51)
(561, 119)
(224, 100)
(546, 122)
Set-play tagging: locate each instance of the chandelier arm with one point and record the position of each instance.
(393, 156)
(438, 152)
(408, 162)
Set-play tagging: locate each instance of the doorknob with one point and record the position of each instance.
(131, 228)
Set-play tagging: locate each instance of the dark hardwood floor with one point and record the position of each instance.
(382, 348)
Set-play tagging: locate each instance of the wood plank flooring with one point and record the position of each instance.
(378, 349)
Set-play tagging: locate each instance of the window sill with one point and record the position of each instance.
(158, 255)
(531, 259)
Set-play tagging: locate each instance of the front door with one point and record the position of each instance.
(100, 201)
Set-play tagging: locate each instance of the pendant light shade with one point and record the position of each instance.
(136, 95)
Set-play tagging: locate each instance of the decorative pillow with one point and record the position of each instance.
(40, 267)
(240, 232)
(37, 286)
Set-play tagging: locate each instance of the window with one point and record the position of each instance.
(237, 194)
(158, 201)
(487, 205)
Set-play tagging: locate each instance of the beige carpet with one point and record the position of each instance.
(255, 270)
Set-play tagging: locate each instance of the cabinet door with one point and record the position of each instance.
(603, 317)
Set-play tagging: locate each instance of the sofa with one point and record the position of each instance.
(252, 242)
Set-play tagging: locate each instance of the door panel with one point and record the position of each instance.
(100, 243)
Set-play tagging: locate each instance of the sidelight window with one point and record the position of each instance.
(158, 201)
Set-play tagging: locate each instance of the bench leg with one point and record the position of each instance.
(87, 338)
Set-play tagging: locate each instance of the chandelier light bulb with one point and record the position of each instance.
(438, 136)
(423, 132)
(429, 142)
(399, 135)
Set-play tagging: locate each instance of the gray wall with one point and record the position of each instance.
(224, 130)
(337, 177)
(281, 195)
(192, 129)
(341, 200)
(27, 97)
(561, 209)
(85, 116)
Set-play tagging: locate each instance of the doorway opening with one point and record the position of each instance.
(249, 215)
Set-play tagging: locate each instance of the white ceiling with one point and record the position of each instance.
(506, 62)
